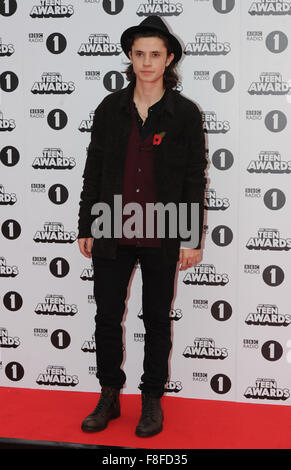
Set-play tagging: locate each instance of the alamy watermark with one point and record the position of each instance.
(177, 221)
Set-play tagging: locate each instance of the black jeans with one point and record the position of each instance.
(111, 278)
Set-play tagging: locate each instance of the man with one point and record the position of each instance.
(147, 145)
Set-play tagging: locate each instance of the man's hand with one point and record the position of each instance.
(85, 245)
(189, 258)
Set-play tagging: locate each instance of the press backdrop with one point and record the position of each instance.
(231, 313)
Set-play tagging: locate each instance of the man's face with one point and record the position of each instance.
(149, 58)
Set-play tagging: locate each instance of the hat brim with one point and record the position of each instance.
(176, 46)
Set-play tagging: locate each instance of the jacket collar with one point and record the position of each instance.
(126, 95)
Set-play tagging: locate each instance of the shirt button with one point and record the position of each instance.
(139, 169)
(137, 190)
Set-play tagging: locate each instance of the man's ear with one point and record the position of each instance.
(169, 59)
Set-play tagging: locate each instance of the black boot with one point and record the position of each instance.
(151, 421)
(107, 408)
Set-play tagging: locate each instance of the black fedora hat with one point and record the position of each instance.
(155, 23)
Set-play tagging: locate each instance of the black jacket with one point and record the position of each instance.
(179, 162)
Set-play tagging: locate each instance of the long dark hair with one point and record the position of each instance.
(171, 77)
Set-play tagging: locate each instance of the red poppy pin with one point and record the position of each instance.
(158, 138)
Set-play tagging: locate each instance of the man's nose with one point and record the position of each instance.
(147, 59)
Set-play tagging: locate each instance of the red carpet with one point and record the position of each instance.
(45, 415)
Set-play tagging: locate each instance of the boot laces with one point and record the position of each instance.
(104, 403)
(148, 408)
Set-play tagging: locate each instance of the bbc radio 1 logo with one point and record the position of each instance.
(205, 275)
(52, 84)
(51, 9)
(275, 120)
(212, 125)
(269, 162)
(7, 341)
(6, 270)
(87, 273)
(272, 275)
(219, 383)
(274, 198)
(57, 193)
(269, 239)
(6, 125)
(266, 389)
(54, 232)
(99, 45)
(205, 348)
(221, 310)
(89, 345)
(55, 305)
(8, 7)
(6, 50)
(271, 350)
(53, 159)
(270, 83)
(7, 199)
(270, 7)
(267, 314)
(11, 229)
(57, 376)
(160, 8)
(207, 44)
(215, 203)
(9, 156)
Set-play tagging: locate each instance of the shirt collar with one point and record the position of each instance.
(166, 100)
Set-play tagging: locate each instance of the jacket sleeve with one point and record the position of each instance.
(92, 174)
(195, 179)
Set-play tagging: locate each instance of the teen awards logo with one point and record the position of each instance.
(6, 49)
(89, 345)
(87, 273)
(6, 125)
(7, 341)
(159, 7)
(269, 239)
(57, 376)
(7, 199)
(267, 314)
(7, 271)
(205, 275)
(54, 232)
(266, 389)
(212, 125)
(173, 386)
(99, 44)
(53, 159)
(270, 7)
(207, 44)
(205, 348)
(52, 83)
(175, 314)
(269, 162)
(270, 83)
(51, 9)
(86, 124)
(55, 304)
(215, 203)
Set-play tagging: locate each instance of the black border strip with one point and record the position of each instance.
(9, 443)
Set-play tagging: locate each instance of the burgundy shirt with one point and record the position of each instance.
(139, 174)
